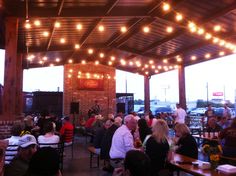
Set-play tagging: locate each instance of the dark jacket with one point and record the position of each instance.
(106, 142)
(187, 146)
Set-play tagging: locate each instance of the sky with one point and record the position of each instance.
(218, 74)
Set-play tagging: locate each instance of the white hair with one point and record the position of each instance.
(128, 118)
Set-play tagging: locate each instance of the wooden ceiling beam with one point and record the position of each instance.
(59, 6)
(83, 12)
(213, 15)
(59, 48)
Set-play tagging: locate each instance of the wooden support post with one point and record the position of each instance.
(12, 96)
(146, 93)
(182, 93)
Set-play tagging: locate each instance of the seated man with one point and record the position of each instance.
(97, 142)
(122, 141)
(19, 165)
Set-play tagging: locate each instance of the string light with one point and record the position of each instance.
(45, 34)
(62, 40)
(165, 61)
(208, 36)
(101, 28)
(200, 31)
(57, 24)
(79, 26)
(179, 17)
(83, 62)
(101, 55)
(146, 29)
(193, 57)
(169, 29)
(207, 56)
(123, 29)
(113, 58)
(217, 28)
(70, 61)
(27, 25)
(37, 23)
(166, 6)
(77, 46)
(215, 40)
(90, 51)
(151, 61)
(57, 60)
(221, 53)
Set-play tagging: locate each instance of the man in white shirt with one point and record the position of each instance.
(180, 114)
(122, 141)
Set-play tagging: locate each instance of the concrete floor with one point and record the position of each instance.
(79, 164)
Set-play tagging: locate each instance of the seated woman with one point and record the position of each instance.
(157, 146)
(49, 136)
(186, 143)
(143, 129)
(229, 137)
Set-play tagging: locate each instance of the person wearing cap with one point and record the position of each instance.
(20, 163)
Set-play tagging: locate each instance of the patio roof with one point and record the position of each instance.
(207, 31)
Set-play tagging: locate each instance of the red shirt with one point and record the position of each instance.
(66, 132)
(89, 122)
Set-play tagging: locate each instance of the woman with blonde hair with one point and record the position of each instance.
(157, 146)
(186, 143)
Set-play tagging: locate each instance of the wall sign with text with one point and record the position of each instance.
(91, 84)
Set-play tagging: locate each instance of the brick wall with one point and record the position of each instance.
(86, 98)
(5, 128)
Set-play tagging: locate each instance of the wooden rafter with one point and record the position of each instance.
(60, 6)
(153, 15)
(108, 9)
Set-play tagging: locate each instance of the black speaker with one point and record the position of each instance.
(74, 107)
(120, 107)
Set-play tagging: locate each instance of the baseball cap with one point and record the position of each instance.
(27, 140)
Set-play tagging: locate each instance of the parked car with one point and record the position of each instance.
(163, 110)
(198, 112)
(155, 110)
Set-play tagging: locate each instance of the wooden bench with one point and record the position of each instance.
(93, 154)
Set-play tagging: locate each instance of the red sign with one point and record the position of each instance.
(91, 84)
(218, 93)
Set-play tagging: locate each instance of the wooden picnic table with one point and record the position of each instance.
(184, 163)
